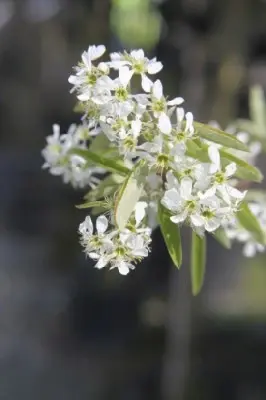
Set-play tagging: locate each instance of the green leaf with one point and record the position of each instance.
(128, 196)
(171, 235)
(100, 161)
(257, 107)
(99, 143)
(91, 204)
(107, 187)
(248, 220)
(255, 195)
(198, 261)
(222, 238)
(245, 171)
(217, 136)
(198, 152)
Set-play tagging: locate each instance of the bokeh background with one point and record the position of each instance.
(68, 331)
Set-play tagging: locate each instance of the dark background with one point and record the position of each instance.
(68, 331)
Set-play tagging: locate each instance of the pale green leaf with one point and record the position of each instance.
(100, 143)
(171, 235)
(256, 195)
(248, 220)
(198, 261)
(215, 135)
(101, 161)
(257, 107)
(128, 196)
(222, 238)
(107, 187)
(91, 204)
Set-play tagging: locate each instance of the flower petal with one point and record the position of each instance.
(140, 211)
(125, 75)
(186, 188)
(164, 124)
(176, 101)
(157, 89)
(214, 156)
(146, 83)
(101, 224)
(230, 170)
(154, 67)
(171, 200)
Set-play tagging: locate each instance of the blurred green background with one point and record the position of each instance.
(68, 331)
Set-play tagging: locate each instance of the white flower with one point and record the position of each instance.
(181, 201)
(71, 167)
(127, 248)
(184, 128)
(159, 107)
(87, 74)
(95, 243)
(115, 92)
(211, 215)
(219, 178)
(187, 205)
(157, 153)
(138, 64)
(55, 152)
(235, 231)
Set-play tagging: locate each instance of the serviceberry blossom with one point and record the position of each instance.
(124, 126)
(71, 167)
(118, 249)
(236, 232)
(139, 64)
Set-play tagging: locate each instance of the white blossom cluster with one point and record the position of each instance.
(120, 249)
(147, 126)
(71, 167)
(235, 231)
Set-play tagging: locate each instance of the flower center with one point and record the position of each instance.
(191, 205)
(91, 78)
(129, 143)
(120, 251)
(207, 214)
(162, 160)
(121, 94)
(55, 148)
(138, 67)
(158, 106)
(219, 178)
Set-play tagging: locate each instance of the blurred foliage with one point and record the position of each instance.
(137, 23)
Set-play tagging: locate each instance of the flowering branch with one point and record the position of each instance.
(148, 163)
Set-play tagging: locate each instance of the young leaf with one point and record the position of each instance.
(106, 187)
(217, 136)
(100, 161)
(248, 220)
(257, 107)
(198, 260)
(91, 204)
(128, 196)
(256, 195)
(171, 235)
(100, 143)
(198, 152)
(222, 238)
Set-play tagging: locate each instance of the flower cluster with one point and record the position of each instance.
(143, 125)
(72, 167)
(120, 249)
